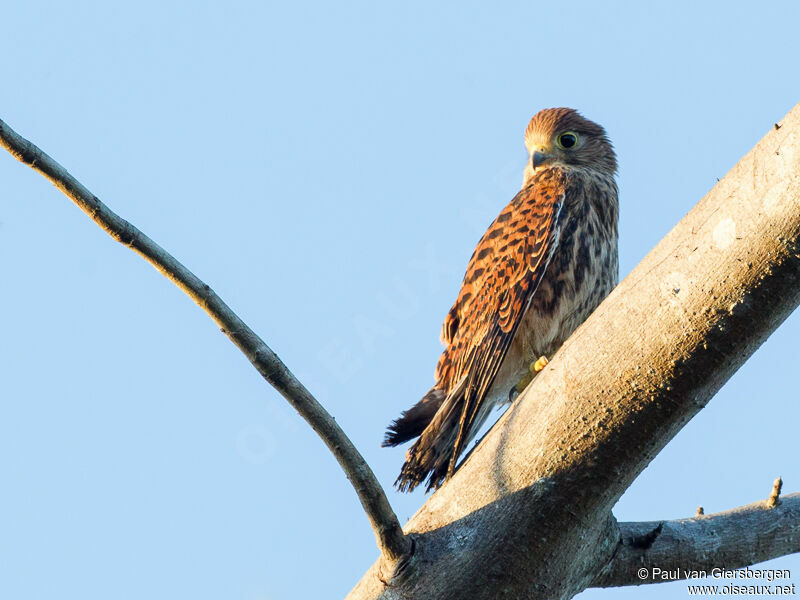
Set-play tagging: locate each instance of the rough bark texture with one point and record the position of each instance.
(728, 540)
(529, 513)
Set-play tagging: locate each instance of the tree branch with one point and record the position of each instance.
(391, 540)
(528, 515)
(728, 540)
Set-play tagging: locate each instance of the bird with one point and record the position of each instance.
(543, 265)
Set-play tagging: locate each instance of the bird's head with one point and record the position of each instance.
(561, 136)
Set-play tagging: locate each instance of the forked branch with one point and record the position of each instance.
(528, 513)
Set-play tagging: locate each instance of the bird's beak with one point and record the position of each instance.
(540, 157)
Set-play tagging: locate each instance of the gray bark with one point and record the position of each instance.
(732, 539)
(528, 515)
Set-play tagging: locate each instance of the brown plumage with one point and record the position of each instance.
(537, 273)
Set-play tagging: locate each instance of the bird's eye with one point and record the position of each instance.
(567, 140)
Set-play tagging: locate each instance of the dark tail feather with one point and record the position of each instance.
(429, 457)
(414, 421)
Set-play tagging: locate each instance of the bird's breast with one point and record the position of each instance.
(582, 272)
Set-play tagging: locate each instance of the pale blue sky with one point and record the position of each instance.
(327, 168)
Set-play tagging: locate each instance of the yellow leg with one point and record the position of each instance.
(523, 383)
(534, 368)
(540, 364)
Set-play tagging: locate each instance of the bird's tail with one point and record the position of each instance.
(414, 421)
(435, 419)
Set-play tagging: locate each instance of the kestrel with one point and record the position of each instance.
(538, 272)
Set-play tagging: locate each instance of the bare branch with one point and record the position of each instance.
(528, 515)
(728, 540)
(393, 544)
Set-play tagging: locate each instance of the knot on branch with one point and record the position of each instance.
(774, 497)
(30, 155)
(646, 540)
(126, 234)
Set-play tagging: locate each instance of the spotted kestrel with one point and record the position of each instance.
(538, 272)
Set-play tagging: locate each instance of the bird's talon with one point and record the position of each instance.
(520, 387)
(533, 369)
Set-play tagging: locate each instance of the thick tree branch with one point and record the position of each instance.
(728, 540)
(528, 515)
(393, 544)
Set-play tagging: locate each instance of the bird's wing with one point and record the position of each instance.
(500, 282)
